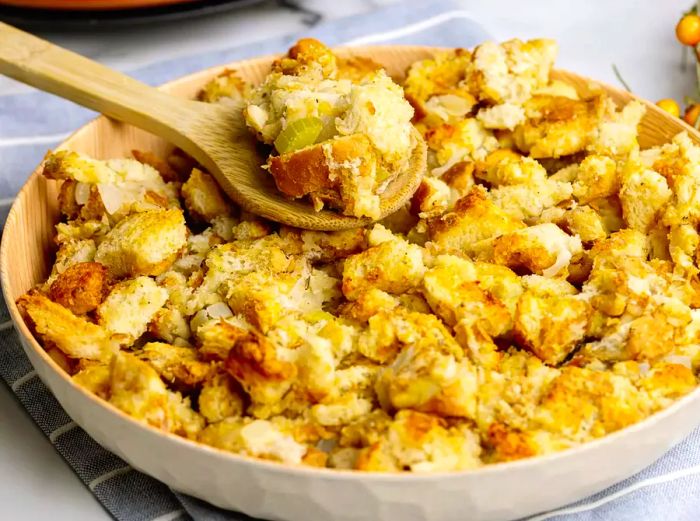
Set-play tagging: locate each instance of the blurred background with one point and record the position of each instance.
(635, 37)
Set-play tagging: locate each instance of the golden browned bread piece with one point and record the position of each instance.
(166, 171)
(305, 54)
(340, 172)
(81, 287)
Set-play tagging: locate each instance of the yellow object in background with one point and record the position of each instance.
(688, 30)
(669, 106)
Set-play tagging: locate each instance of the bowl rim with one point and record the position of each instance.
(28, 338)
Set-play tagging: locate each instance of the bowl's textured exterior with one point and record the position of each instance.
(274, 491)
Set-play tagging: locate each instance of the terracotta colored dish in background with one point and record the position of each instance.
(274, 491)
(84, 5)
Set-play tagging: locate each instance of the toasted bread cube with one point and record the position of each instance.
(332, 246)
(596, 177)
(643, 195)
(130, 306)
(72, 334)
(369, 303)
(254, 363)
(341, 172)
(170, 324)
(585, 222)
(466, 140)
(551, 326)
(80, 287)
(428, 378)
(203, 198)
(220, 398)
(431, 199)
(179, 366)
(615, 133)
(506, 167)
(556, 126)
(529, 201)
(145, 243)
(626, 242)
(307, 55)
(584, 404)
(225, 85)
(217, 337)
(167, 172)
(544, 249)
(510, 71)
(474, 219)
(394, 266)
(433, 87)
(454, 297)
(668, 381)
(422, 443)
(683, 243)
(95, 378)
(505, 116)
(136, 388)
(650, 338)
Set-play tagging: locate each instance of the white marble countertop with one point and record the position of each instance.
(636, 35)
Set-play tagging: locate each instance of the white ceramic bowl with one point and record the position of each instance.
(274, 491)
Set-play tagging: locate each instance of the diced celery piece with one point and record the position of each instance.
(298, 134)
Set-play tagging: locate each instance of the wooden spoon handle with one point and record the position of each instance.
(53, 69)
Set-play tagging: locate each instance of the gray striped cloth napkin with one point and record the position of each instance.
(668, 489)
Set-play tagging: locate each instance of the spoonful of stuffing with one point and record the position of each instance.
(341, 150)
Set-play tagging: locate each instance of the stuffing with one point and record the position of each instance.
(254, 363)
(596, 177)
(584, 404)
(506, 116)
(421, 443)
(555, 126)
(474, 219)
(454, 295)
(80, 287)
(511, 71)
(615, 133)
(145, 243)
(432, 198)
(225, 85)
(115, 187)
(130, 306)
(394, 266)
(178, 366)
(584, 222)
(332, 246)
(167, 172)
(72, 334)
(544, 249)
(540, 290)
(433, 87)
(339, 141)
(136, 388)
(220, 398)
(529, 201)
(466, 140)
(505, 167)
(341, 172)
(643, 196)
(551, 326)
(257, 438)
(203, 198)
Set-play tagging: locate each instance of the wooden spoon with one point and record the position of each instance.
(213, 134)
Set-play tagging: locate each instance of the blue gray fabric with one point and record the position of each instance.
(668, 489)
